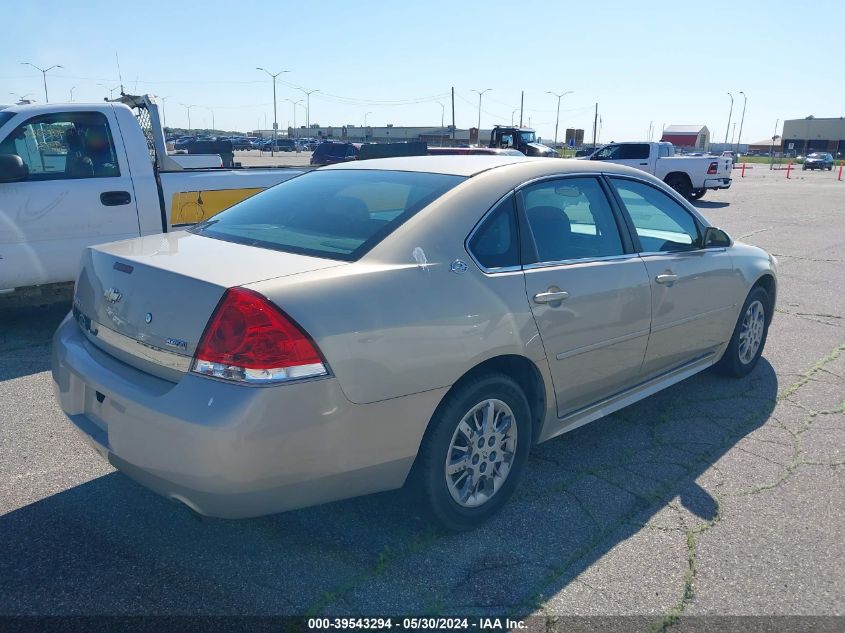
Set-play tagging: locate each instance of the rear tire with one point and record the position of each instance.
(474, 452)
(749, 336)
(681, 184)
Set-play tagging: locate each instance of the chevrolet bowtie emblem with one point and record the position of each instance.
(112, 295)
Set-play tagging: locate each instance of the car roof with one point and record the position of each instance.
(470, 165)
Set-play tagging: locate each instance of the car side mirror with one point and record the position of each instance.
(715, 238)
(12, 168)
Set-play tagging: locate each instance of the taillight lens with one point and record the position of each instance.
(714, 168)
(248, 339)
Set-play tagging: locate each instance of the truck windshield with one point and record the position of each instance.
(528, 137)
(338, 214)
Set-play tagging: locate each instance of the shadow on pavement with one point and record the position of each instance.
(110, 546)
(710, 204)
(25, 335)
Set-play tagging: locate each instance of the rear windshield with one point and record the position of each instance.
(338, 214)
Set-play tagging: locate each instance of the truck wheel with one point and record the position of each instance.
(697, 194)
(681, 184)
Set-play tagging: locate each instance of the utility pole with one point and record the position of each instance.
(442, 120)
(557, 118)
(71, 93)
(521, 106)
(275, 113)
(741, 121)
(595, 125)
(730, 112)
(44, 72)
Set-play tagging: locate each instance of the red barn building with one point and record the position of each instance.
(695, 137)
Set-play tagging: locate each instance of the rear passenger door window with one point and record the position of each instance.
(661, 223)
(569, 219)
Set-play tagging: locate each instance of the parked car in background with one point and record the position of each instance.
(240, 142)
(690, 176)
(422, 320)
(280, 145)
(727, 154)
(331, 152)
(818, 160)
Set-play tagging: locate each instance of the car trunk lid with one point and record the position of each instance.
(147, 301)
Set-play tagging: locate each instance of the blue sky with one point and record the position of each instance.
(660, 62)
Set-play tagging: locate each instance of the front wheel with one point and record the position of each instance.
(749, 336)
(475, 451)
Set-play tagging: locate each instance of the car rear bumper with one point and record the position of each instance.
(236, 451)
(717, 183)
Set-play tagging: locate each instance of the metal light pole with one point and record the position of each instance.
(741, 121)
(559, 97)
(480, 93)
(188, 107)
(295, 103)
(71, 93)
(772, 146)
(730, 112)
(442, 120)
(44, 72)
(275, 115)
(307, 106)
(163, 113)
(111, 90)
(213, 122)
(513, 112)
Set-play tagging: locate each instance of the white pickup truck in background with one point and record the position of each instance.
(73, 175)
(690, 176)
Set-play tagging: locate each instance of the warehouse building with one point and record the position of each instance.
(802, 136)
(687, 136)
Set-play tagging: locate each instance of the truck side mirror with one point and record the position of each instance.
(12, 168)
(715, 238)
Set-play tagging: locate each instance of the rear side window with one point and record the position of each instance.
(496, 242)
(338, 214)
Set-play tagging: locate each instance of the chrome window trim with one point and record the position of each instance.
(715, 249)
(584, 260)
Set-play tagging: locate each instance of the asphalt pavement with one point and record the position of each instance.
(713, 497)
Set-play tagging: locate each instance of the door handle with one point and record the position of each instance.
(550, 296)
(115, 198)
(643, 163)
(666, 278)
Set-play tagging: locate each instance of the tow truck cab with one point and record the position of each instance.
(523, 139)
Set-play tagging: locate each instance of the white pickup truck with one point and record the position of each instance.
(690, 176)
(73, 175)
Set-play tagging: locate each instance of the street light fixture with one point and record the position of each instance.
(275, 114)
(111, 90)
(188, 107)
(730, 112)
(71, 93)
(44, 72)
(480, 93)
(307, 105)
(163, 113)
(742, 120)
(295, 103)
(213, 123)
(442, 120)
(559, 97)
(513, 114)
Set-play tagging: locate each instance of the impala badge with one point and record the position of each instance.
(177, 343)
(112, 295)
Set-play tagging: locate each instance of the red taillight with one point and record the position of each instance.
(714, 168)
(249, 339)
